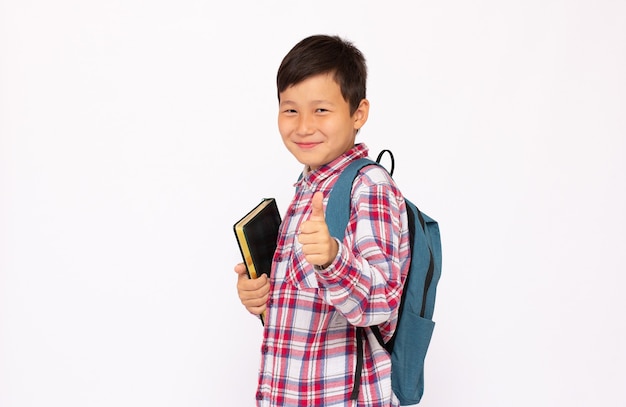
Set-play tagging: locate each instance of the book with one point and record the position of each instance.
(256, 235)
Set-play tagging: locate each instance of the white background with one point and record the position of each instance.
(134, 133)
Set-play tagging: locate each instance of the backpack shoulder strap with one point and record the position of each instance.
(339, 200)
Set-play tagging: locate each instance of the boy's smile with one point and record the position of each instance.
(314, 120)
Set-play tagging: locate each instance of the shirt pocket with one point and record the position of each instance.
(300, 273)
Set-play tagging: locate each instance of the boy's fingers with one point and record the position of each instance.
(317, 206)
(252, 284)
(252, 293)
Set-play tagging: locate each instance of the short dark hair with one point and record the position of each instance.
(319, 54)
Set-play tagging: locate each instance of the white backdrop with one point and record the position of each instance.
(134, 133)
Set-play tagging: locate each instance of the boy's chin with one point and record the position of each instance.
(308, 162)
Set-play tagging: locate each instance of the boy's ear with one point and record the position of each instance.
(361, 113)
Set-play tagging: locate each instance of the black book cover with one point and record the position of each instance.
(256, 234)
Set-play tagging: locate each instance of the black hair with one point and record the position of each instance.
(320, 54)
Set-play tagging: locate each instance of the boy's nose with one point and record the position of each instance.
(305, 125)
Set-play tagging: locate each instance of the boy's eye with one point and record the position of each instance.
(321, 110)
(290, 111)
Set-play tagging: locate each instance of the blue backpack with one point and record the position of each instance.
(412, 336)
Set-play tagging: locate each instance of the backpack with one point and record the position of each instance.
(411, 338)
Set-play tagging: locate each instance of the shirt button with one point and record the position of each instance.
(279, 258)
(270, 302)
(264, 349)
(259, 395)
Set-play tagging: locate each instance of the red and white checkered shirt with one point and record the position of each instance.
(309, 351)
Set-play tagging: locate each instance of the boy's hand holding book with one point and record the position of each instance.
(253, 293)
(318, 246)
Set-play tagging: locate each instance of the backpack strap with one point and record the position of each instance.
(360, 332)
(339, 199)
(337, 220)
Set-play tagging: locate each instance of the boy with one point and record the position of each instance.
(321, 288)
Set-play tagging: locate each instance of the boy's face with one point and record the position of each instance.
(314, 120)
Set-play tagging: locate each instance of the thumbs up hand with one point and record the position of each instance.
(318, 246)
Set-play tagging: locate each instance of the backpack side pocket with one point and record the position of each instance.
(408, 361)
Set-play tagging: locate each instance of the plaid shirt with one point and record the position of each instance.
(308, 355)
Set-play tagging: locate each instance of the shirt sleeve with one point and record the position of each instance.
(364, 282)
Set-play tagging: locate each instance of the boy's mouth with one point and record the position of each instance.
(306, 146)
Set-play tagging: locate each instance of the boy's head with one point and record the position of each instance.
(320, 54)
(321, 98)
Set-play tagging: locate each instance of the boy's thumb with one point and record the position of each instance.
(317, 206)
